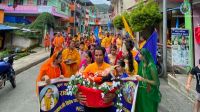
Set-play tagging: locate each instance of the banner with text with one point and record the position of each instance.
(180, 47)
(54, 98)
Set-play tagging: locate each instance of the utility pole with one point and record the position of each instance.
(84, 18)
(74, 18)
(165, 37)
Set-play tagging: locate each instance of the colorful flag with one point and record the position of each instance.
(151, 45)
(127, 28)
(96, 34)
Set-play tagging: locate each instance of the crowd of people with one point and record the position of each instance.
(82, 53)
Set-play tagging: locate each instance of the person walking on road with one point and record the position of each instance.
(47, 41)
(195, 71)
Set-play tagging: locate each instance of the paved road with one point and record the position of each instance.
(23, 99)
(172, 101)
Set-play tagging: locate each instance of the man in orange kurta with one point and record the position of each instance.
(98, 67)
(58, 42)
(71, 58)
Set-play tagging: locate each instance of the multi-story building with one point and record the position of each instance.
(81, 17)
(119, 6)
(26, 11)
(104, 19)
(91, 19)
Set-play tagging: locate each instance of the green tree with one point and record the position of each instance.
(42, 20)
(117, 22)
(145, 15)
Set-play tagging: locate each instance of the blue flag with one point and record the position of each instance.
(96, 34)
(151, 45)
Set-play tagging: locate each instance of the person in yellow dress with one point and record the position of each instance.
(119, 42)
(71, 57)
(106, 42)
(131, 64)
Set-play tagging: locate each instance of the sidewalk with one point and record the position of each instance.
(27, 62)
(178, 83)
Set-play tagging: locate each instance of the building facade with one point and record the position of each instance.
(26, 11)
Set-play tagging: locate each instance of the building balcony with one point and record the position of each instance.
(77, 8)
(31, 10)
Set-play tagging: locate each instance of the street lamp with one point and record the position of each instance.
(165, 37)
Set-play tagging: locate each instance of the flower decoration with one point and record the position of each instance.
(106, 87)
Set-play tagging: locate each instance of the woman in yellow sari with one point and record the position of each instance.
(71, 58)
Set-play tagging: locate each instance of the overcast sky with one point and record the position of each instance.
(100, 1)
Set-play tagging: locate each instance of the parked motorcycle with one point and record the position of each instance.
(7, 72)
(159, 64)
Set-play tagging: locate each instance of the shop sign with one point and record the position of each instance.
(180, 47)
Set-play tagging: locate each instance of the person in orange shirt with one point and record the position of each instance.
(97, 71)
(99, 66)
(52, 68)
(47, 41)
(72, 59)
(58, 42)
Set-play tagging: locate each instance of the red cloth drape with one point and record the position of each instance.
(197, 34)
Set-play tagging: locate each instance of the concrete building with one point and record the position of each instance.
(26, 11)
(119, 6)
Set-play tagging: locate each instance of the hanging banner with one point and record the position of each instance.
(180, 47)
(54, 98)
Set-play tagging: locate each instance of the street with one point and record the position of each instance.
(23, 97)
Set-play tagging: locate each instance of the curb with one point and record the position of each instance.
(180, 87)
(17, 71)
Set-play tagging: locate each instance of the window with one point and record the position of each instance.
(63, 6)
(45, 2)
(30, 2)
(41, 2)
(19, 2)
(3, 1)
(38, 2)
